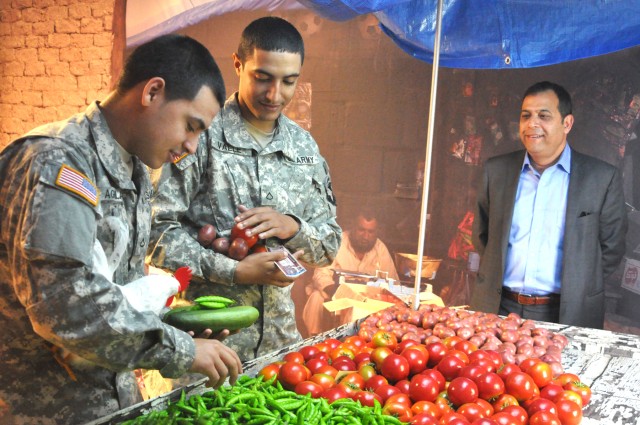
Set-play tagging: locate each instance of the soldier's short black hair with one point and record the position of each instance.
(271, 34)
(184, 64)
(564, 98)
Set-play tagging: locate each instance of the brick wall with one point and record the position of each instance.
(56, 57)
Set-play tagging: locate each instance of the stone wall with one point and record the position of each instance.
(56, 57)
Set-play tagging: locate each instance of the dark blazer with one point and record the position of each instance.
(594, 238)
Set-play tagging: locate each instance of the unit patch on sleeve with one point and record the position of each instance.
(76, 182)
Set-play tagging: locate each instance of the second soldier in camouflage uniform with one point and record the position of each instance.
(257, 167)
(70, 190)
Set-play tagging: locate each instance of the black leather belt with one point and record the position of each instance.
(526, 299)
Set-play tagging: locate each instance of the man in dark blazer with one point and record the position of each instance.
(550, 222)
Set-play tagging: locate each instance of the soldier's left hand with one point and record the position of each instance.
(267, 222)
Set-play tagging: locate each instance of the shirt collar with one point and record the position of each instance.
(563, 163)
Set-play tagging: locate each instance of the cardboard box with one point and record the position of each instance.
(353, 301)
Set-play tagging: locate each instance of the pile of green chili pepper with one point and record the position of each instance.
(252, 401)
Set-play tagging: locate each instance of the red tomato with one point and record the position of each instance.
(544, 418)
(379, 354)
(405, 344)
(399, 410)
(423, 419)
(334, 393)
(308, 352)
(403, 386)
(565, 378)
(291, 374)
(374, 382)
(491, 356)
(294, 357)
(503, 418)
(450, 367)
(344, 363)
(453, 418)
(237, 232)
(332, 343)
(322, 355)
(540, 372)
(507, 369)
(551, 391)
(423, 387)
(367, 398)
(472, 371)
(328, 369)
(569, 412)
(541, 404)
(518, 413)
(503, 401)
(486, 407)
(490, 386)
(367, 371)
(354, 379)
(443, 403)
(341, 351)
(362, 357)
(424, 407)
(324, 380)
(520, 385)
(385, 391)
(309, 387)
(395, 367)
(465, 346)
(322, 347)
(437, 351)
(384, 339)
(399, 398)
(459, 354)
(569, 395)
(437, 376)
(581, 388)
(417, 359)
(451, 341)
(527, 363)
(471, 411)
(269, 371)
(314, 364)
(484, 421)
(462, 390)
(356, 341)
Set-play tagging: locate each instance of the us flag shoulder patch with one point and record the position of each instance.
(76, 182)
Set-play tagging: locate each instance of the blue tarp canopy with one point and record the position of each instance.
(480, 34)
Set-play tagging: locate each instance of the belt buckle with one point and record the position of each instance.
(526, 299)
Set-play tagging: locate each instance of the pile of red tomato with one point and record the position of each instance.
(443, 382)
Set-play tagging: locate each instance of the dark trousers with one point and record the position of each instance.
(543, 313)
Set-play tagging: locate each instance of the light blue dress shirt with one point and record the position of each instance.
(534, 252)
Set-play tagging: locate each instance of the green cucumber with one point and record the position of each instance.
(215, 299)
(232, 318)
(212, 305)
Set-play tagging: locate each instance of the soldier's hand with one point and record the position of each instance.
(261, 269)
(267, 222)
(216, 361)
(208, 333)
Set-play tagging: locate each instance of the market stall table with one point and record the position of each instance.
(608, 362)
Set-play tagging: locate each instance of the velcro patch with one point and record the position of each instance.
(76, 182)
(180, 158)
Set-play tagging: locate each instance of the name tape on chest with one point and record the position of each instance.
(76, 182)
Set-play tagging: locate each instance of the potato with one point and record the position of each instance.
(206, 235)
(238, 249)
(221, 245)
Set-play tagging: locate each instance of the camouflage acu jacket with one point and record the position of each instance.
(289, 175)
(68, 335)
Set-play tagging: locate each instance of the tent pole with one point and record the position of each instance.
(427, 160)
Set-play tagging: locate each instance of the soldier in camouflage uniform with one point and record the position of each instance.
(70, 190)
(256, 167)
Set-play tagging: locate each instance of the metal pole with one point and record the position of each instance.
(427, 161)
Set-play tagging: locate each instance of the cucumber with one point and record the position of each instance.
(232, 318)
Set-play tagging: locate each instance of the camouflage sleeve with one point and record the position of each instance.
(67, 303)
(174, 227)
(319, 235)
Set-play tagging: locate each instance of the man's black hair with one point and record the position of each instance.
(183, 63)
(564, 98)
(270, 34)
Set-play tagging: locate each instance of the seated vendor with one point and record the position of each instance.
(360, 251)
